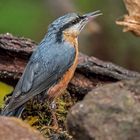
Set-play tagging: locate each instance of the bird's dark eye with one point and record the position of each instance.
(75, 21)
(80, 17)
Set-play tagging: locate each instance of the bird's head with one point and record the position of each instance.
(71, 24)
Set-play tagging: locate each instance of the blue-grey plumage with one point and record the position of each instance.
(53, 61)
(44, 69)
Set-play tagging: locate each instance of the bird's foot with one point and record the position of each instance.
(53, 114)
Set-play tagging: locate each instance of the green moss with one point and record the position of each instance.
(38, 115)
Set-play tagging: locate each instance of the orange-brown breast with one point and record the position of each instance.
(56, 90)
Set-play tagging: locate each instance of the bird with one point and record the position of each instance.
(52, 64)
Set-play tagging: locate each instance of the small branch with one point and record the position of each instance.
(103, 70)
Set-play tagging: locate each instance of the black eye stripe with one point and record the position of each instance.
(66, 26)
(75, 20)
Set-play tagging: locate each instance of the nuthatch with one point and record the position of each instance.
(52, 64)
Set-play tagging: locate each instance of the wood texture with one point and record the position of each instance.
(90, 72)
(131, 21)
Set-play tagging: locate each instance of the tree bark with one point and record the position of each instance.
(91, 72)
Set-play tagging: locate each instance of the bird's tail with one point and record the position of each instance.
(15, 113)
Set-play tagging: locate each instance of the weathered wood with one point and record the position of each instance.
(131, 21)
(91, 72)
(14, 54)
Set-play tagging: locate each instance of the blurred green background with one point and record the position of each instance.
(30, 18)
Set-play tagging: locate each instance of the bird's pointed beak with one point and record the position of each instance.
(92, 15)
(87, 18)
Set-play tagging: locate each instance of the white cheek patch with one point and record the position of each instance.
(73, 30)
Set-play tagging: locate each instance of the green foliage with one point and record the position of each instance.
(21, 18)
(4, 90)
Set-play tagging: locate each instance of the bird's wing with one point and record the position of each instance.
(46, 66)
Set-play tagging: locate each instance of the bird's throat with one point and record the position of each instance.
(71, 38)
